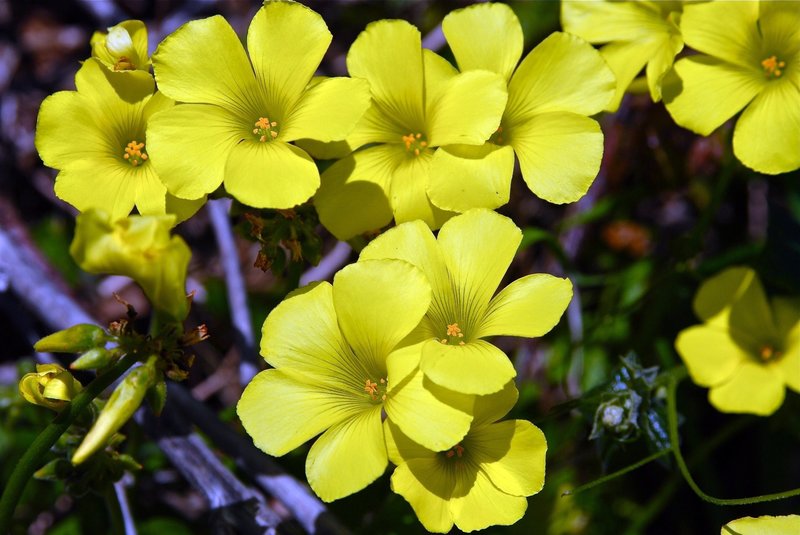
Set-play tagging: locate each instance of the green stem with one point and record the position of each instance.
(114, 511)
(672, 416)
(32, 458)
(618, 473)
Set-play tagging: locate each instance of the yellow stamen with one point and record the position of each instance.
(497, 137)
(455, 451)
(768, 353)
(375, 390)
(414, 143)
(134, 153)
(454, 330)
(265, 129)
(772, 67)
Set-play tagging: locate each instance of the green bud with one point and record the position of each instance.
(77, 338)
(119, 408)
(93, 359)
(55, 470)
(49, 386)
(157, 396)
(128, 462)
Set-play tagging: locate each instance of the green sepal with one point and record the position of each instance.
(55, 470)
(94, 359)
(128, 462)
(76, 339)
(157, 395)
(123, 402)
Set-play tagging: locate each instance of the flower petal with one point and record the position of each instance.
(559, 154)
(768, 132)
(408, 192)
(328, 111)
(484, 505)
(115, 194)
(150, 193)
(512, 454)
(428, 488)
(428, 414)
(710, 354)
(477, 367)
(373, 315)
(286, 42)
(728, 31)
(191, 160)
(438, 72)
(604, 22)
(388, 53)
(753, 389)
(492, 407)
(353, 195)
(546, 81)
(401, 448)
(787, 318)
(702, 92)
(528, 307)
(203, 62)
(661, 62)
(485, 36)
(626, 59)
(466, 176)
(467, 109)
(183, 209)
(281, 411)
(476, 271)
(270, 174)
(348, 456)
(763, 525)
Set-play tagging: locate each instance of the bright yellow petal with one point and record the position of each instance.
(710, 354)
(764, 525)
(726, 30)
(485, 505)
(604, 22)
(477, 367)
(626, 59)
(151, 194)
(389, 55)
(427, 487)
(191, 160)
(752, 389)
(115, 193)
(467, 109)
(466, 176)
(408, 192)
(376, 126)
(528, 307)
(768, 132)
(373, 315)
(787, 317)
(428, 414)
(438, 72)
(328, 111)
(183, 209)
(661, 62)
(67, 132)
(111, 93)
(286, 42)
(281, 411)
(475, 271)
(512, 454)
(559, 154)
(547, 81)
(703, 92)
(485, 36)
(348, 456)
(270, 174)
(353, 195)
(203, 62)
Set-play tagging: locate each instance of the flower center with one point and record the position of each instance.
(454, 335)
(265, 130)
(767, 353)
(415, 143)
(134, 153)
(497, 138)
(456, 451)
(773, 67)
(376, 391)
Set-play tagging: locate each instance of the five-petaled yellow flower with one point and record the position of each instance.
(551, 93)
(465, 266)
(750, 59)
(748, 349)
(123, 49)
(481, 481)
(241, 115)
(337, 372)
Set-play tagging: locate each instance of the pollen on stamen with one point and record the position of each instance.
(768, 353)
(455, 451)
(773, 67)
(414, 143)
(265, 129)
(134, 153)
(376, 391)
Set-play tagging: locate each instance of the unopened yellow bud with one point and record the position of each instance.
(49, 386)
(81, 337)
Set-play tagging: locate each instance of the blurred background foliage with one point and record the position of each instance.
(668, 210)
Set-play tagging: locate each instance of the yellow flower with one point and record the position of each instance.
(139, 247)
(49, 386)
(123, 49)
(95, 137)
(636, 33)
(763, 525)
(420, 105)
(750, 59)
(337, 373)
(465, 266)
(481, 481)
(242, 112)
(551, 93)
(747, 350)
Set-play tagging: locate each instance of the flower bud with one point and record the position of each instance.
(78, 338)
(49, 386)
(119, 42)
(94, 359)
